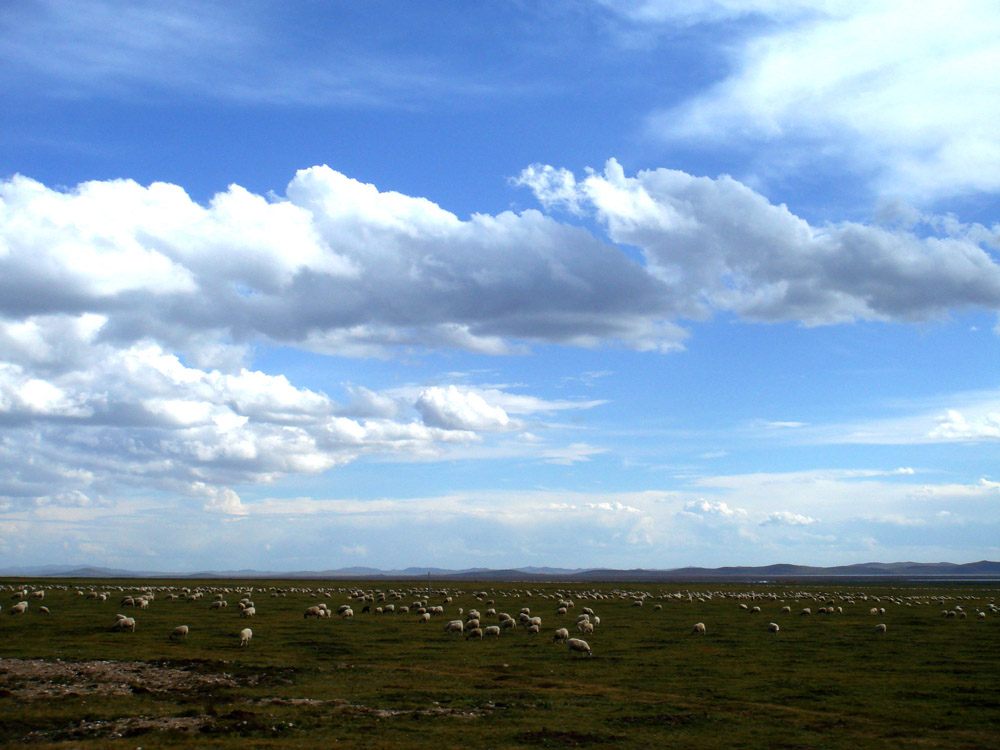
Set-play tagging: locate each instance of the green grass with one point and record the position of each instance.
(386, 681)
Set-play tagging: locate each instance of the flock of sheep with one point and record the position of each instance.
(472, 624)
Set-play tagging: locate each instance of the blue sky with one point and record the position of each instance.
(591, 284)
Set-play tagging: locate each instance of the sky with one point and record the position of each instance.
(588, 283)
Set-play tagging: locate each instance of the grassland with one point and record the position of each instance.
(386, 681)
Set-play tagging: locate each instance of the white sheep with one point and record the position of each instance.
(577, 646)
(493, 630)
(425, 617)
(562, 634)
(245, 636)
(474, 633)
(347, 613)
(124, 623)
(773, 627)
(585, 626)
(455, 626)
(45, 610)
(248, 612)
(19, 608)
(698, 629)
(880, 628)
(181, 631)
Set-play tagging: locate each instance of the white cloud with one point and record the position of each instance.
(338, 266)
(784, 518)
(955, 426)
(718, 245)
(570, 454)
(453, 409)
(115, 375)
(615, 507)
(895, 88)
(719, 509)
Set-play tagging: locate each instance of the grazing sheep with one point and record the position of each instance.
(425, 617)
(218, 604)
(773, 627)
(562, 634)
(19, 608)
(576, 646)
(880, 628)
(873, 611)
(805, 611)
(124, 623)
(347, 613)
(493, 630)
(45, 610)
(245, 635)
(181, 631)
(249, 612)
(755, 610)
(532, 628)
(698, 629)
(474, 633)
(786, 610)
(585, 627)
(455, 626)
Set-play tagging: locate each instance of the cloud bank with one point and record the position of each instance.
(129, 314)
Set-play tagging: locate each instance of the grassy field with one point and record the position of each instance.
(385, 680)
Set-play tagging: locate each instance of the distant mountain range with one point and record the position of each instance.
(898, 571)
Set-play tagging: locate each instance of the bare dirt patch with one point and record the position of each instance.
(33, 679)
(128, 727)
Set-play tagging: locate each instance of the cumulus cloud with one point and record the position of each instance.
(709, 508)
(336, 266)
(719, 245)
(139, 417)
(84, 415)
(785, 518)
(129, 314)
(454, 409)
(954, 425)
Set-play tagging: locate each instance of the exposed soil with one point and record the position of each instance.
(128, 727)
(40, 679)
(28, 679)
